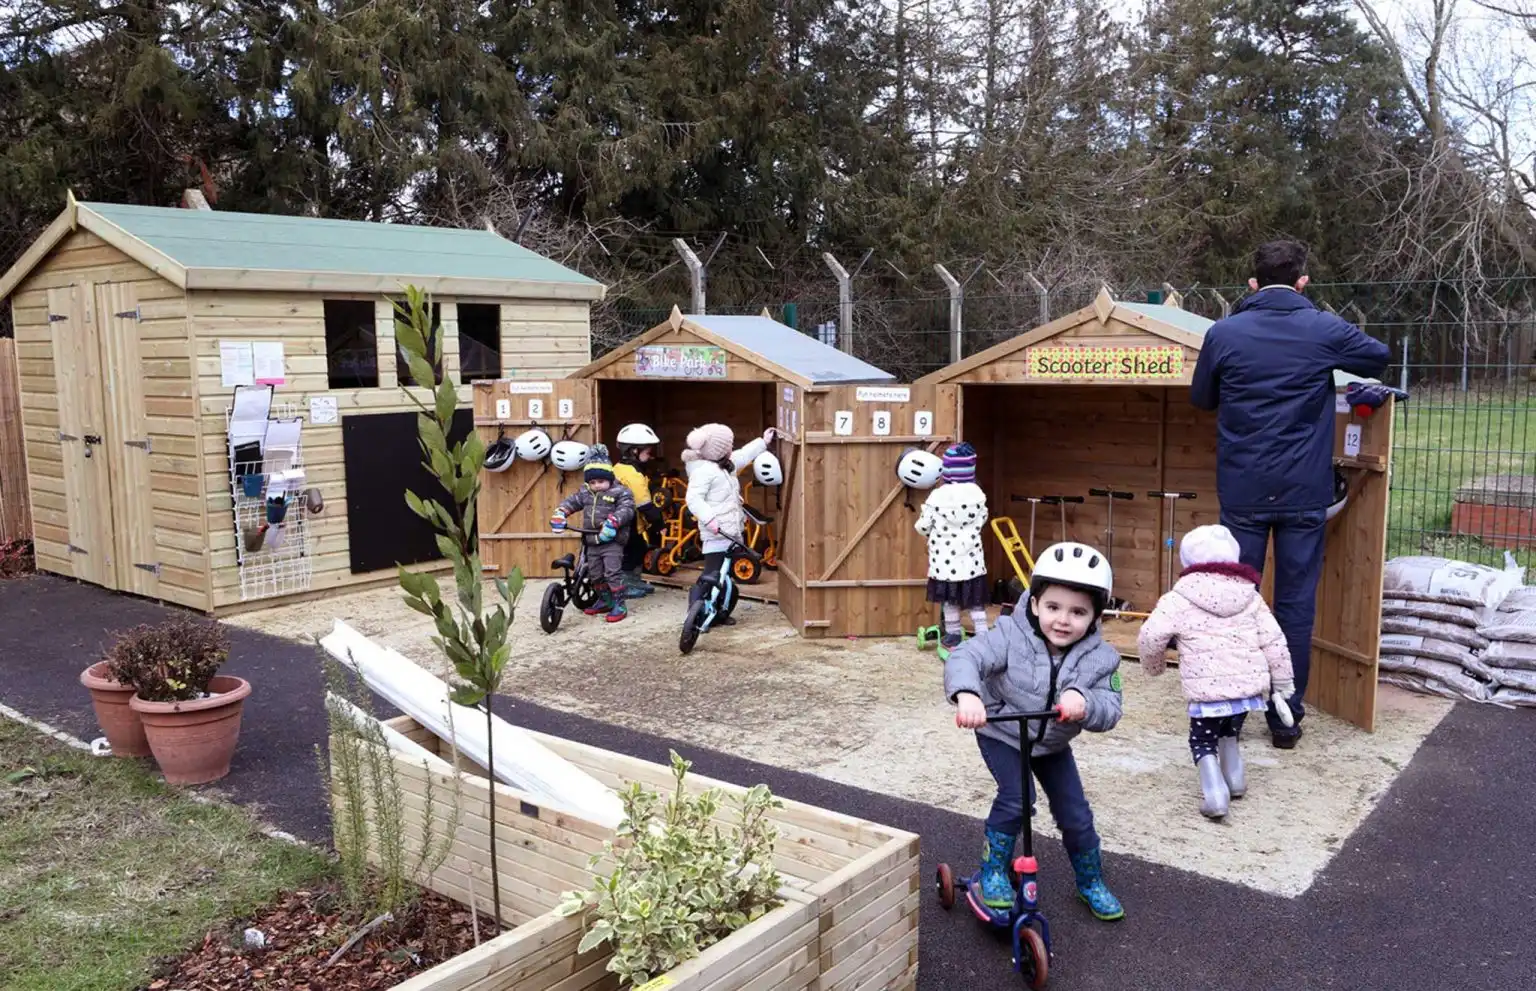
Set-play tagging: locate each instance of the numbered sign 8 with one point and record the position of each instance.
(503, 409)
(882, 422)
(535, 409)
(567, 408)
(842, 423)
(922, 423)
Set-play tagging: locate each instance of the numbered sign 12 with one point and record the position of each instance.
(842, 423)
(1352, 440)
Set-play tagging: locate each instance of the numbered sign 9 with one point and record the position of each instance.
(842, 423)
(882, 423)
(922, 423)
(535, 409)
(567, 408)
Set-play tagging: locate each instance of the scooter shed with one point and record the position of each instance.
(1084, 431)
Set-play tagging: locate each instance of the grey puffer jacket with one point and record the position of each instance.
(1009, 668)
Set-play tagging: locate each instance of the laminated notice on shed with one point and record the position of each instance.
(1085, 363)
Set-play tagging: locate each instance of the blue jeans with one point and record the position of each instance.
(1057, 774)
(1298, 566)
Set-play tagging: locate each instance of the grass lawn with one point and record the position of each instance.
(104, 869)
(1444, 439)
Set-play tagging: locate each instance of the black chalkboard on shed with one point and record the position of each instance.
(382, 459)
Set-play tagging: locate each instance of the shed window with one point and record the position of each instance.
(479, 341)
(402, 368)
(351, 345)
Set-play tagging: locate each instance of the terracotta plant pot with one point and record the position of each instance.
(193, 741)
(116, 717)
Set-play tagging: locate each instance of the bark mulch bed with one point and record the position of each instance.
(16, 559)
(304, 930)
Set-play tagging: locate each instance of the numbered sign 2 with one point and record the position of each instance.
(503, 409)
(535, 409)
(922, 423)
(882, 423)
(842, 423)
(567, 408)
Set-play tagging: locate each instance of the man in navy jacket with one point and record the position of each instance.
(1267, 369)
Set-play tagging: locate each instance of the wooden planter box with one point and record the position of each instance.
(851, 888)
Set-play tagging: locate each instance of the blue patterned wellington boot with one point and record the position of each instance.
(996, 888)
(1089, 868)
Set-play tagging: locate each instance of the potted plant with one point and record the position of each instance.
(109, 697)
(191, 714)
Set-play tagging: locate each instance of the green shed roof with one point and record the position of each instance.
(215, 249)
(1173, 315)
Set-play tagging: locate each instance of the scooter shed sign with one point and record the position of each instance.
(1097, 363)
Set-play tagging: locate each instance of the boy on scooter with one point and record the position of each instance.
(1053, 656)
(607, 512)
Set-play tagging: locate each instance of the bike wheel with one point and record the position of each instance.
(584, 594)
(745, 570)
(665, 564)
(691, 622)
(1035, 965)
(551, 609)
(944, 880)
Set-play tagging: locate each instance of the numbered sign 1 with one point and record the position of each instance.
(503, 409)
(922, 423)
(842, 423)
(882, 422)
(567, 408)
(535, 409)
(1352, 440)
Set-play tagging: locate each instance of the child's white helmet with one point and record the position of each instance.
(919, 469)
(767, 470)
(638, 435)
(1340, 494)
(533, 445)
(569, 455)
(1074, 565)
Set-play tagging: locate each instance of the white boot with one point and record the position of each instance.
(1231, 756)
(1214, 787)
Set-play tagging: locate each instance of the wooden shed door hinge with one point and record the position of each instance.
(64, 436)
(144, 445)
(132, 314)
(71, 548)
(56, 317)
(153, 569)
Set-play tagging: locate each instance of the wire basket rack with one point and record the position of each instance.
(270, 515)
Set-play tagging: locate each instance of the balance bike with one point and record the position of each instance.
(1024, 920)
(720, 597)
(573, 588)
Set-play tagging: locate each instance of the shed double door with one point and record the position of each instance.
(103, 434)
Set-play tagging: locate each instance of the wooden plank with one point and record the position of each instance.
(15, 500)
(133, 526)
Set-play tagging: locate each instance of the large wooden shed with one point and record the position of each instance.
(1099, 399)
(747, 372)
(137, 325)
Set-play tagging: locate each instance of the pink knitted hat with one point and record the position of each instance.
(713, 441)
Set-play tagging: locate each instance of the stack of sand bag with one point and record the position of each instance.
(1435, 625)
(1511, 653)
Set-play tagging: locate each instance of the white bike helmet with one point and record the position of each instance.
(637, 435)
(500, 455)
(569, 455)
(767, 470)
(1075, 566)
(1340, 494)
(533, 445)
(919, 469)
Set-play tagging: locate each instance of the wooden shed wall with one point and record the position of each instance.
(164, 358)
(539, 339)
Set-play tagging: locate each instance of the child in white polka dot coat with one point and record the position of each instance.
(952, 518)
(1232, 656)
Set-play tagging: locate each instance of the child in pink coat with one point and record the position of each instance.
(1232, 656)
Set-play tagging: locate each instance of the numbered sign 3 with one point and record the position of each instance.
(882, 423)
(842, 423)
(567, 409)
(535, 409)
(922, 423)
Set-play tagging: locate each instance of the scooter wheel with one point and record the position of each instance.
(1035, 965)
(944, 879)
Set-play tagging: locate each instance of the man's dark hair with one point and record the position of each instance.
(1280, 263)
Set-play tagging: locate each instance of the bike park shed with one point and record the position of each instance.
(1099, 399)
(137, 328)
(749, 372)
